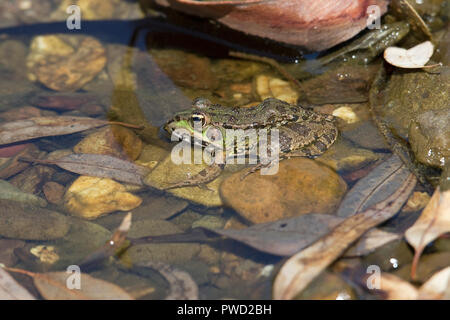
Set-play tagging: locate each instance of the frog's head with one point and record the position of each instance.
(195, 122)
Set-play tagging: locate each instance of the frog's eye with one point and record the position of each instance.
(198, 118)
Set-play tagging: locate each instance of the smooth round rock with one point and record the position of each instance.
(20, 221)
(301, 186)
(91, 197)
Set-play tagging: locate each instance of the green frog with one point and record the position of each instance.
(300, 132)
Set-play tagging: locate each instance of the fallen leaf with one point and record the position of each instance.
(284, 237)
(53, 286)
(37, 127)
(98, 165)
(10, 289)
(437, 287)
(182, 286)
(415, 57)
(303, 267)
(380, 183)
(432, 223)
(13, 166)
(316, 25)
(370, 241)
(396, 288)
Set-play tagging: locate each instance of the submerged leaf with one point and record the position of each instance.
(98, 165)
(303, 267)
(380, 183)
(182, 286)
(54, 286)
(10, 289)
(437, 287)
(284, 237)
(38, 127)
(433, 222)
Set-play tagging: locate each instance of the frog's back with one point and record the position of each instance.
(270, 112)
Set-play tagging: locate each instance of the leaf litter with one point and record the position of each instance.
(306, 265)
(98, 165)
(38, 127)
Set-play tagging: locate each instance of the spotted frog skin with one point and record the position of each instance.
(302, 132)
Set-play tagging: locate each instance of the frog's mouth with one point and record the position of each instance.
(182, 130)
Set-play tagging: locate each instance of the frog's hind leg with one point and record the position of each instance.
(200, 179)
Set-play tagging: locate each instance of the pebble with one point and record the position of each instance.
(114, 141)
(92, 197)
(301, 186)
(25, 222)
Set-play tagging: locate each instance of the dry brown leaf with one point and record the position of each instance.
(437, 287)
(182, 286)
(432, 223)
(98, 165)
(415, 57)
(10, 289)
(37, 127)
(397, 289)
(303, 267)
(53, 286)
(316, 25)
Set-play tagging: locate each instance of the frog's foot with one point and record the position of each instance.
(200, 179)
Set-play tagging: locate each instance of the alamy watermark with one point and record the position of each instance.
(73, 281)
(73, 21)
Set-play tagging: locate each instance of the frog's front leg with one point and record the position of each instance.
(202, 178)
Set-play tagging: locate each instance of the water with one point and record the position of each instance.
(170, 66)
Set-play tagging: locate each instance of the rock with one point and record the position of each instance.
(408, 94)
(45, 254)
(167, 173)
(328, 286)
(91, 197)
(429, 136)
(7, 247)
(301, 186)
(417, 201)
(12, 56)
(100, 10)
(172, 253)
(391, 256)
(267, 87)
(64, 63)
(83, 238)
(20, 221)
(366, 135)
(211, 222)
(31, 179)
(346, 113)
(428, 265)
(54, 192)
(114, 141)
(185, 220)
(186, 69)
(343, 156)
(10, 192)
(159, 208)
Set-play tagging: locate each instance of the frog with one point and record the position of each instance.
(301, 131)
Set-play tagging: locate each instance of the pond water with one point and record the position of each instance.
(141, 72)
